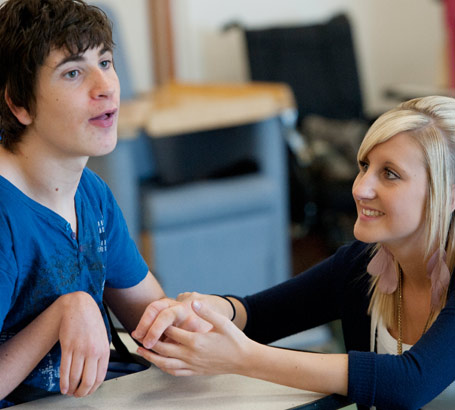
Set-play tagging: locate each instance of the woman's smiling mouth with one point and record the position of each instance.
(371, 212)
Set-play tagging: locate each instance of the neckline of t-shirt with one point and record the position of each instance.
(36, 206)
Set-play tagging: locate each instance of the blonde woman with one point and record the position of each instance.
(390, 288)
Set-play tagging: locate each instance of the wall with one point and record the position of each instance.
(132, 18)
(396, 41)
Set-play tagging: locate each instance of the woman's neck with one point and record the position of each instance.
(413, 263)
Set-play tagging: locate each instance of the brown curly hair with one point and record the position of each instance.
(29, 30)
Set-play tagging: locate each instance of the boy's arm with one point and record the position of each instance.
(19, 356)
(129, 304)
(73, 319)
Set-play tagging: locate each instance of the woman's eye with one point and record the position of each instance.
(363, 166)
(391, 174)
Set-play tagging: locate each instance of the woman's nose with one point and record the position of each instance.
(364, 187)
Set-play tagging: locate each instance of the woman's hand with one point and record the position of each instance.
(224, 349)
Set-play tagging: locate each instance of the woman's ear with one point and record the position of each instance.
(20, 113)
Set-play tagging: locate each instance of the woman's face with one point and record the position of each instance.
(390, 193)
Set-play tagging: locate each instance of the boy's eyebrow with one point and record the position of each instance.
(80, 57)
(70, 58)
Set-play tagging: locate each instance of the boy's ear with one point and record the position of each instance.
(20, 113)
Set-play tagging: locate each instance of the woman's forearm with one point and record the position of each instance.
(323, 373)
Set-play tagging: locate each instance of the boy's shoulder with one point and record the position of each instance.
(92, 184)
(8, 191)
(93, 191)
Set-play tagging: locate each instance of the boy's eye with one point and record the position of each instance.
(72, 74)
(106, 63)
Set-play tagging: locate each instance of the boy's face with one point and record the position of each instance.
(77, 101)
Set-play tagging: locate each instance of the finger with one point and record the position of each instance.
(65, 367)
(77, 366)
(180, 372)
(217, 320)
(183, 296)
(88, 378)
(188, 296)
(196, 324)
(103, 364)
(171, 349)
(174, 315)
(181, 336)
(148, 317)
(166, 364)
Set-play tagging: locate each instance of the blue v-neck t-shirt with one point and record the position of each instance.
(41, 258)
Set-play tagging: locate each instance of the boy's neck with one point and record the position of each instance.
(49, 181)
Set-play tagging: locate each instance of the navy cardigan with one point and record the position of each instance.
(338, 288)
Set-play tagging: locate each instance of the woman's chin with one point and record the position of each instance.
(363, 235)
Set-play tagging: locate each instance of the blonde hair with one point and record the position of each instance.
(430, 121)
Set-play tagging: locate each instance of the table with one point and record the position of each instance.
(180, 108)
(153, 389)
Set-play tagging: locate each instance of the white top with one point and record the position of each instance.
(386, 343)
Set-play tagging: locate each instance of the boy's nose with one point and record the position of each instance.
(105, 84)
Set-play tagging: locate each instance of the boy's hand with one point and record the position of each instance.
(85, 345)
(161, 314)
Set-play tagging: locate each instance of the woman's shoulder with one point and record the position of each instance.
(354, 252)
(352, 260)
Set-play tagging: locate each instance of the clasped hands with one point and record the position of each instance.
(186, 337)
(182, 337)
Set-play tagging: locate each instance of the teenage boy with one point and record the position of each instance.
(64, 245)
